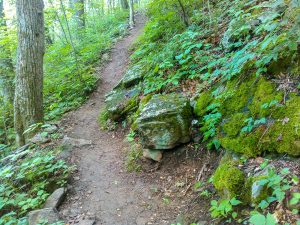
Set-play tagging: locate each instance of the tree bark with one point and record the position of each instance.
(6, 65)
(184, 14)
(28, 103)
(124, 4)
(131, 14)
(79, 13)
(1, 13)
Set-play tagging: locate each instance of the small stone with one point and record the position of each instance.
(55, 199)
(42, 215)
(39, 139)
(86, 222)
(141, 221)
(155, 155)
(76, 142)
(51, 129)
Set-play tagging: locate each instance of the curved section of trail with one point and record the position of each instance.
(101, 188)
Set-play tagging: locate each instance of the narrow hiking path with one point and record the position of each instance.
(101, 188)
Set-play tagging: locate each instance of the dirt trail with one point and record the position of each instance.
(102, 188)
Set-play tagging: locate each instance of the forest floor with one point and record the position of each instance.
(102, 189)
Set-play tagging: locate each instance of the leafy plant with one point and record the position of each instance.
(251, 124)
(26, 183)
(260, 219)
(224, 208)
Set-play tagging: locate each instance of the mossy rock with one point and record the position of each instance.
(232, 126)
(120, 102)
(265, 92)
(164, 122)
(202, 102)
(237, 96)
(132, 119)
(228, 180)
(283, 135)
(132, 77)
(242, 100)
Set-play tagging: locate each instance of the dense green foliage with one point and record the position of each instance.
(26, 182)
(243, 59)
(239, 61)
(71, 65)
(70, 60)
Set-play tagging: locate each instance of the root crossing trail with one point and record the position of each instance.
(101, 189)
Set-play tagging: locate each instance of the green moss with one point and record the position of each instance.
(131, 105)
(265, 92)
(134, 116)
(233, 126)
(281, 132)
(228, 180)
(237, 96)
(283, 135)
(102, 118)
(202, 102)
(245, 144)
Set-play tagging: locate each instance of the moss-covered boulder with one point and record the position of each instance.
(131, 78)
(229, 180)
(257, 116)
(121, 101)
(164, 122)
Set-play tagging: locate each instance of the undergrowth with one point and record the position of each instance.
(26, 180)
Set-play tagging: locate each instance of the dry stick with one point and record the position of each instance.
(71, 41)
(201, 171)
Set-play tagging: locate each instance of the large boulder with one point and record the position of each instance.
(132, 77)
(120, 101)
(48, 215)
(55, 199)
(164, 122)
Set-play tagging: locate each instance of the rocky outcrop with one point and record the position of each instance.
(131, 78)
(155, 155)
(164, 122)
(55, 199)
(120, 101)
(39, 216)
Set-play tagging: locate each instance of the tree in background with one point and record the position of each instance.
(131, 14)
(6, 78)
(28, 103)
(124, 4)
(78, 7)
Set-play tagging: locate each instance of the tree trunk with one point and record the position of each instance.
(1, 13)
(6, 65)
(28, 104)
(184, 14)
(131, 14)
(79, 13)
(124, 4)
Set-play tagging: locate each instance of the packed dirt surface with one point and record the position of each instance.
(102, 189)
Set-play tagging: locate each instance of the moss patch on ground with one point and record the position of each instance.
(228, 180)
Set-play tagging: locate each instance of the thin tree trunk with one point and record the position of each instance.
(124, 4)
(79, 13)
(71, 41)
(184, 14)
(6, 64)
(28, 104)
(131, 14)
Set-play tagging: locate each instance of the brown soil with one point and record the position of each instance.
(102, 188)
